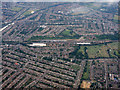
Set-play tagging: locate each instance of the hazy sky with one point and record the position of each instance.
(59, 0)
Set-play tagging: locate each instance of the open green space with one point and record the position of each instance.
(27, 13)
(116, 17)
(108, 37)
(108, 50)
(68, 33)
(86, 71)
(36, 38)
(16, 8)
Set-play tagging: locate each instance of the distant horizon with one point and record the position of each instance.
(59, 1)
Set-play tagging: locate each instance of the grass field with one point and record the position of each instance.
(108, 50)
(94, 5)
(16, 8)
(68, 33)
(113, 45)
(97, 51)
(28, 12)
(86, 72)
(116, 17)
(81, 50)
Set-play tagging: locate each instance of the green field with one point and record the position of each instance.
(102, 50)
(109, 50)
(97, 51)
(27, 13)
(16, 8)
(116, 17)
(86, 71)
(36, 38)
(107, 37)
(68, 33)
(30, 11)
